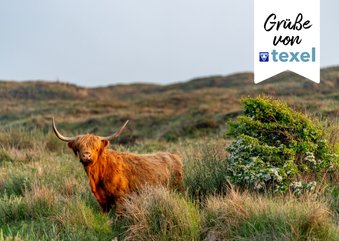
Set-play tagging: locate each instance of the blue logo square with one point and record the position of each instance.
(263, 56)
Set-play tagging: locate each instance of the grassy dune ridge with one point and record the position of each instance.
(44, 191)
(195, 108)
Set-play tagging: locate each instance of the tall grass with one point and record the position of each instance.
(241, 216)
(205, 170)
(157, 214)
(44, 195)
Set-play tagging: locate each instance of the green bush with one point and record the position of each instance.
(275, 146)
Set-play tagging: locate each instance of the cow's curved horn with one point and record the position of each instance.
(59, 135)
(116, 134)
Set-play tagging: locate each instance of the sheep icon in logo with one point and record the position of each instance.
(263, 56)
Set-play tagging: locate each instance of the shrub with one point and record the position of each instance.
(275, 146)
(156, 214)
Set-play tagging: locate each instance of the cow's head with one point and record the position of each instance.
(88, 147)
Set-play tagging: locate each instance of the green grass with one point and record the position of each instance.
(205, 172)
(240, 216)
(156, 214)
(49, 199)
(44, 195)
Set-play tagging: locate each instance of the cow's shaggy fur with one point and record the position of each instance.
(113, 175)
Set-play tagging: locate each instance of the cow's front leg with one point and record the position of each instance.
(104, 207)
(104, 203)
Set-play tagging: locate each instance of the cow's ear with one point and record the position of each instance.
(104, 143)
(70, 145)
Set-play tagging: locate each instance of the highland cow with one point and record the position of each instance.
(113, 175)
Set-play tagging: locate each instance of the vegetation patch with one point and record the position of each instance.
(44, 191)
(276, 147)
(156, 214)
(205, 172)
(241, 216)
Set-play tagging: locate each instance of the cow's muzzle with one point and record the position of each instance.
(85, 158)
(85, 162)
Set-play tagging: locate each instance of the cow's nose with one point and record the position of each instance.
(86, 156)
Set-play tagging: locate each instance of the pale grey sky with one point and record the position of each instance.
(105, 42)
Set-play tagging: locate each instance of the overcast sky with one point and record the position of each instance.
(104, 42)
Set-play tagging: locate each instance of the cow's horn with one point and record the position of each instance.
(59, 135)
(116, 134)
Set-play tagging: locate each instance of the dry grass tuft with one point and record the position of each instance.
(70, 186)
(157, 214)
(241, 216)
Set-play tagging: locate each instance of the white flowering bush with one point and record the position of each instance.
(275, 146)
(256, 165)
(299, 187)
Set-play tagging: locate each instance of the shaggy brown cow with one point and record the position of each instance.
(112, 175)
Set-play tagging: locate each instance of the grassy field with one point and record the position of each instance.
(45, 196)
(44, 191)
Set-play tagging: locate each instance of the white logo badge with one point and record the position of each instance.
(286, 37)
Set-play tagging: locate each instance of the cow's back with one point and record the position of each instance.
(160, 168)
